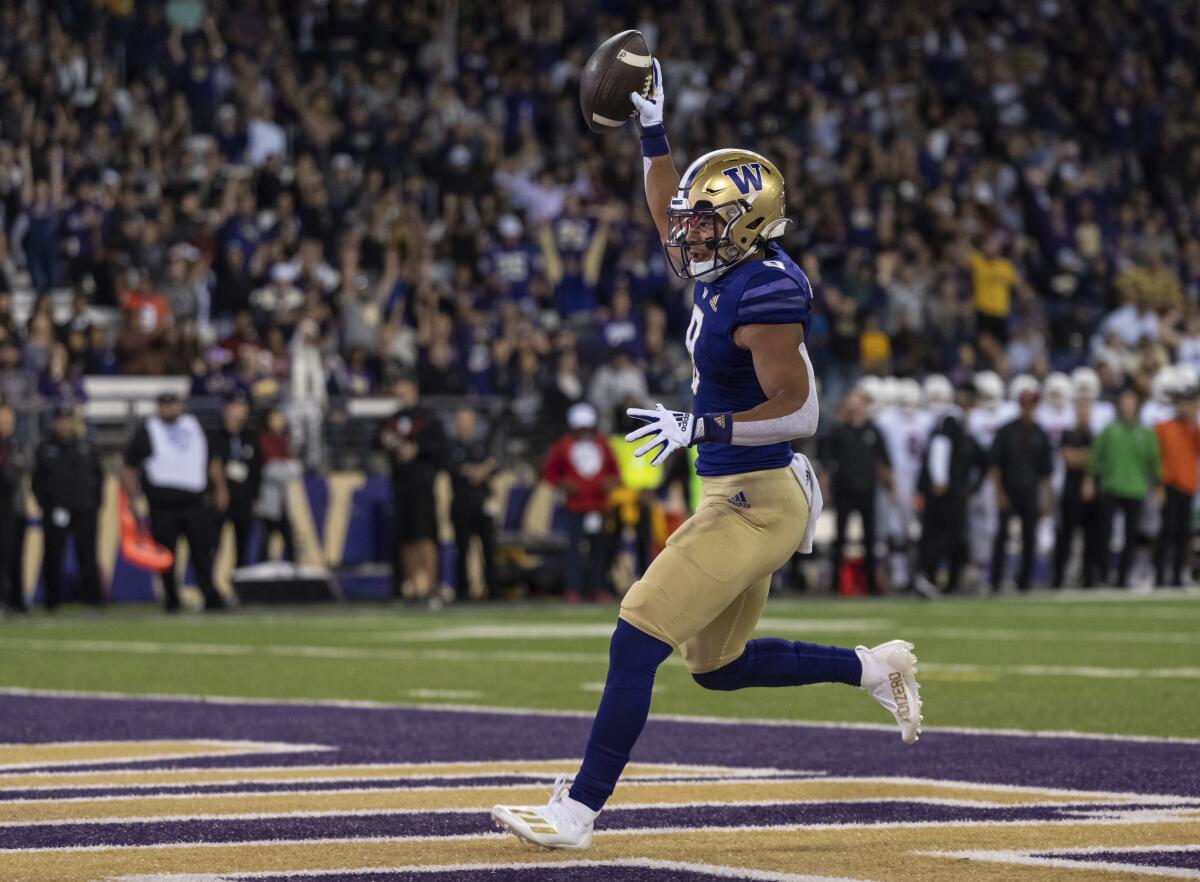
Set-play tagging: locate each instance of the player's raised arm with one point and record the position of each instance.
(658, 167)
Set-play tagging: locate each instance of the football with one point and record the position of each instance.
(620, 65)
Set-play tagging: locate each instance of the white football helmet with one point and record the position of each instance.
(1059, 389)
(1187, 380)
(1023, 383)
(939, 392)
(889, 392)
(908, 395)
(1087, 383)
(1163, 384)
(872, 389)
(990, 388)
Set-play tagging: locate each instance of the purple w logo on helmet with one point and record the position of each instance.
(745, 177)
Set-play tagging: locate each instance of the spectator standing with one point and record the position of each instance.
(858, 462)
(952, 469)
(1179, 448)
(582, 464)
(1125, 463)
(1022, 464)
(69, 485)
(415, 440)
(279, 469)
(993, 278)
(168, 459)
(471, 467)
(234, 452)
(1078, 507)
(14, 469)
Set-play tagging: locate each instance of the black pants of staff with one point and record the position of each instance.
(1024, 508)
(473, 521)
(241, 515)
(12, 546)
(1132, 509)
(1174, 538)
(194, 523)
(283, 526)
(81, 528)
(943, 538)
(1077, 516)
(844, 504)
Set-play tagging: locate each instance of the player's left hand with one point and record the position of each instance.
(670, 428)
(650, 110)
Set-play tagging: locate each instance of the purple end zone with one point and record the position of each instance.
(373, 735)
(471, 823)
(1181, 859)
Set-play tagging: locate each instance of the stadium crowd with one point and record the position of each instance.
(304, 202)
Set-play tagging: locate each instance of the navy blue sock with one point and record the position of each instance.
(633, 657)
(774, 662)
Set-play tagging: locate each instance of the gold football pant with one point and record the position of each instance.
(705, 592)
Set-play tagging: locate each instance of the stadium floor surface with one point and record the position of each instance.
(258, 774)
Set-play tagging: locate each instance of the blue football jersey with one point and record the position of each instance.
(769, 291)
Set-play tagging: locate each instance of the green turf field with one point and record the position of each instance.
(1125, 665)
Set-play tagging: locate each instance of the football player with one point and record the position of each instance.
(905, 429)
(983, 422)
(754, 392)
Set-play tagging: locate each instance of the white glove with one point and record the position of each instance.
(650, 110)
(670, 428)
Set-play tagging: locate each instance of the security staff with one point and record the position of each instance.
(416, 443)
(69, 486)
(857, 460)
(471, 466)
(14, 468)
(1021, 466)
(952, 469)
(1078, 507)
(168, 457)
(233, 452)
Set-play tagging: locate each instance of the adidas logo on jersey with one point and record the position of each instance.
(713, 302)
(739, 499)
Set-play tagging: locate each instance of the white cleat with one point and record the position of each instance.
(563, 823)
(890, 676)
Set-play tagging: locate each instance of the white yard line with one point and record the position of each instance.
(467, 656)
(543, 712)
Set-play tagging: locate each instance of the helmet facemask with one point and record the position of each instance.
(683, 222)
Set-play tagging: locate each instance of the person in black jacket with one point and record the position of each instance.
(1079, 510)
(13, 469)
(952, 469)
(233, 450)
(69, 485)
(415, 443)
(471, 468)
(857, 460)
(1021, 465)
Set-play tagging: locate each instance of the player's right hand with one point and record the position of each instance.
(650, 110)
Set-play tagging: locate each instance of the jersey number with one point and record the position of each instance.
(693, 334)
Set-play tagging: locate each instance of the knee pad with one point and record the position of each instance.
(634, 656)
(724, 679)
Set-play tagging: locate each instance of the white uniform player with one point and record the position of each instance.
(1158, 408)
(983, 422)
(871, 387)
(1087, 387)
(1056, 415)
(905, 428)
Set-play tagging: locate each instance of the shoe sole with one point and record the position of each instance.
(506, 822)
(904, 662)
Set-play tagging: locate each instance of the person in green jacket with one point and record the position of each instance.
(1126, 466)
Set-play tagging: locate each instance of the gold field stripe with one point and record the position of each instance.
(15, 756)
(481, 798)
(380, 771)
(879, 854)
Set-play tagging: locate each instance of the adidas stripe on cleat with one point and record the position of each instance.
(890, 676)
(562, 823)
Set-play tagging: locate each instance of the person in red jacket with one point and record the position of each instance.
(582, 464)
